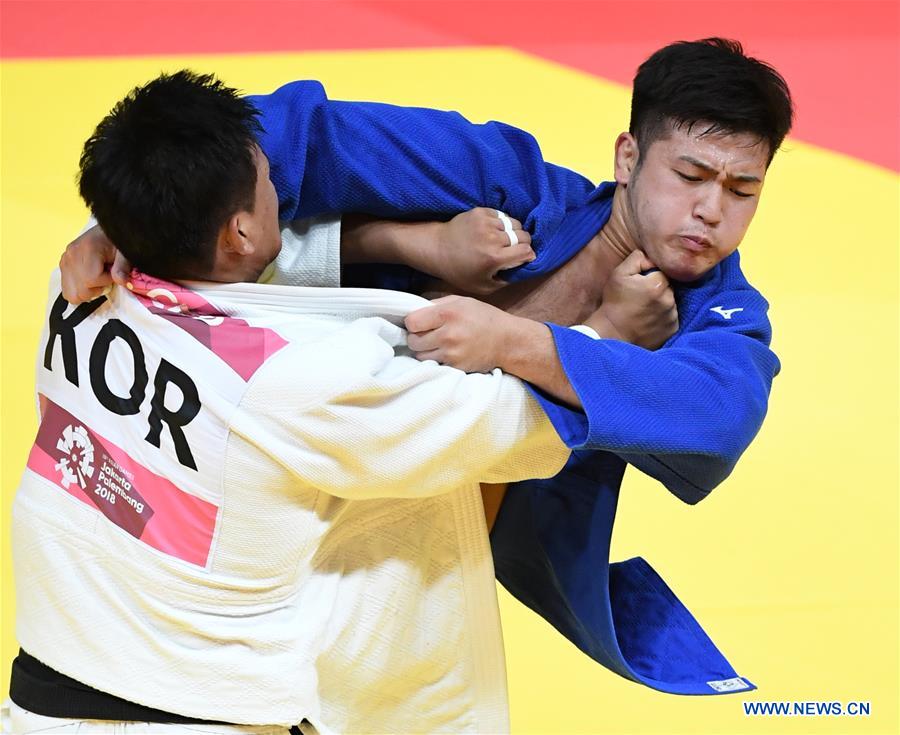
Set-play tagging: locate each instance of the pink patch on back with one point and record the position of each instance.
(99, 474)
(241, 346)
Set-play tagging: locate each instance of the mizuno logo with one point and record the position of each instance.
(725, 313)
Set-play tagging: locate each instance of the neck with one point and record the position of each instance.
(230, 267)
(616, 240)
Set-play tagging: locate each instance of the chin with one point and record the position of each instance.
(686, 272)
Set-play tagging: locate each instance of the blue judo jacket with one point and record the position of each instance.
(682, 414)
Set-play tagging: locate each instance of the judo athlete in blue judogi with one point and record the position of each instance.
(706, 122)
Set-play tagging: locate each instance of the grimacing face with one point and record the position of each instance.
(692, 197)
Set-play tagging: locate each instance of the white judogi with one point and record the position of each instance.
(303, 538)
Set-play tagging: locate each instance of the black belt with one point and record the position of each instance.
(36, 687)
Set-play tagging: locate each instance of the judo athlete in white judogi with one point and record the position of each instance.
(270, 517)
(247, 504)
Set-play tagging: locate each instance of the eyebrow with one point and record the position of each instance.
(706, 167)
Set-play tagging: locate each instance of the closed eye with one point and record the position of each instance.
(686, 177)
(741, 194)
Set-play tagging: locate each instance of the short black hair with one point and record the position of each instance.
(167, 167)
(713, 83)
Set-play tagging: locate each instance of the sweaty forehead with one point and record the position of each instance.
(731, 153)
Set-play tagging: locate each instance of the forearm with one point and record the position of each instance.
(529, 353)
(365, 239)
(689, 409)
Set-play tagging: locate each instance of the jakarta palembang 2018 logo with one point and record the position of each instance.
(77, 462)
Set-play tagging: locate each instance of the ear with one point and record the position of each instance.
(626, 158)
(233, 237)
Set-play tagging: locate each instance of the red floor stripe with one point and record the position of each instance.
(54, 28)
(840, 57)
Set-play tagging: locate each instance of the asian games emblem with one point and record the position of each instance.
(76, 464)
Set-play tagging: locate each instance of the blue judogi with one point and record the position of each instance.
(683, 414)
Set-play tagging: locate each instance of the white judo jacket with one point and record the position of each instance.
(248, 503)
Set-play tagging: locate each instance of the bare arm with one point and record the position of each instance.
(478, 337)
(468, 252)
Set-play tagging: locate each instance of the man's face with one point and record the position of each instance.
(691, 198)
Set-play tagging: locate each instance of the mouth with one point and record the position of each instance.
(694, 243)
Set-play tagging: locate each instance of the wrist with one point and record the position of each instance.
(418, 245)
(523, 339)
(431, 250)
(365, 239)
(604, 327)
(531, 355)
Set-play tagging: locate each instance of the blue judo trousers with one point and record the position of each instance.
(682, 414)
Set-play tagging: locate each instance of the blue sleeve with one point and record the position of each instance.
(330, 156)
(685, 413)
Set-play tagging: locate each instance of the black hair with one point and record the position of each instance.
(167, 167)
(710, 82)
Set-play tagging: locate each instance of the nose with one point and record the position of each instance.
(708, 207)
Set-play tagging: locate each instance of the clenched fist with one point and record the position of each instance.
(473, 248)
(636, 308)
(89, 265)
(460, 331)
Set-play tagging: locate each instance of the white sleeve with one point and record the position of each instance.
(348, 416)
(310, 254)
